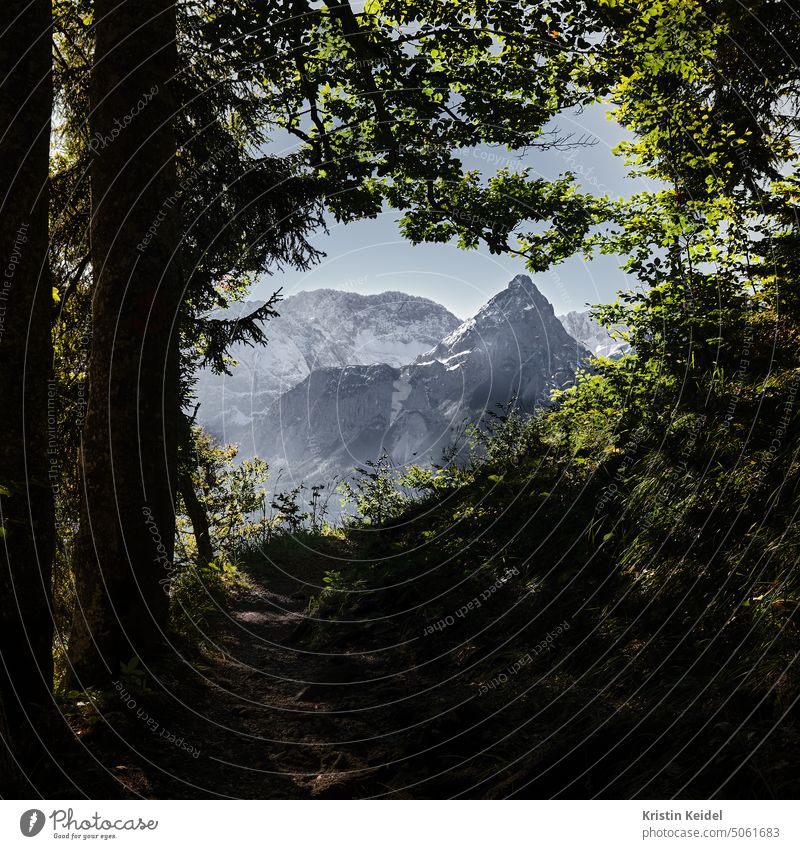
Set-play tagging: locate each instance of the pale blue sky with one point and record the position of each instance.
(371, 256)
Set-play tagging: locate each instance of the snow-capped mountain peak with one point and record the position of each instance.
(321, 328)
(586, 329)
(335, 419)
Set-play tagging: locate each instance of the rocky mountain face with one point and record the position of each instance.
(336, 418)
(316, 330)
(581, 326)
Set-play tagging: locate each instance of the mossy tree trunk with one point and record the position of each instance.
(128, 457)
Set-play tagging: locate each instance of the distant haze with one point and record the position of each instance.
(347, 377)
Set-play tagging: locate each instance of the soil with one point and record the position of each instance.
(257, 713)
(280, 701)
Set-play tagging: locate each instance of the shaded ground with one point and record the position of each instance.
(367, 704)
(269, 717)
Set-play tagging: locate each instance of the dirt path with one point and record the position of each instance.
(269, 718)
(274, 707)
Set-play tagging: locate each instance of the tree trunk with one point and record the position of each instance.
(28, 465)
(125, 543)
(9, 777)
(197, 516)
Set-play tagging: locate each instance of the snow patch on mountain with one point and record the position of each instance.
(513, 349)
(323, 328)
(586, 330)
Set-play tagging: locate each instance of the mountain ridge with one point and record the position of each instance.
(337, 418)
(316, 328)
(347, 376)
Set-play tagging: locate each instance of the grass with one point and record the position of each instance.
(678, 673)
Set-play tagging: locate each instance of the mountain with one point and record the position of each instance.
(337, 418)
(581, 326)
(322, 328)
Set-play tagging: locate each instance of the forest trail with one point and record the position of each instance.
(361, 704)
(269, 717)
(276, 705)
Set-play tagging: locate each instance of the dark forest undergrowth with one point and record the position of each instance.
(479, 645)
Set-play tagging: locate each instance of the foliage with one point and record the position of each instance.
(196, 593)
(374, 491)
(230, 492)
(507, 435)
(388, 100)
(291, 515)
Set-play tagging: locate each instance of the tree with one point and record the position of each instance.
(220, 497)
(710, 93)
(388, 102)
(218, 212)
(27, 476)
(129, 446)
(184, 204)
